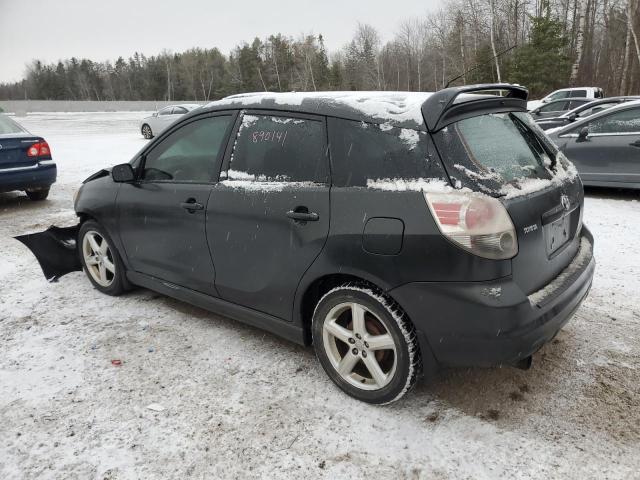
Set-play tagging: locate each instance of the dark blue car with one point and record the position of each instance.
(25, 161)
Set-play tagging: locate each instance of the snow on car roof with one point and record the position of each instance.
(396, 108)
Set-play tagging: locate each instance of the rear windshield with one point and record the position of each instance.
(494, 149)
(9, 126)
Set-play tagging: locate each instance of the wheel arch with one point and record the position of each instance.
(316, 289)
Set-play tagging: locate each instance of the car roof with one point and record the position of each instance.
(600, 101)
(607, 111)
(402, 109)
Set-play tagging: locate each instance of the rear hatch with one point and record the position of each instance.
(14, 143)
(507, 156)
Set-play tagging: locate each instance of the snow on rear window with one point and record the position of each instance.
(371, 155)
(504, 154)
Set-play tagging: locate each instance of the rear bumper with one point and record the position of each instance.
(41, 175)
(495, 323)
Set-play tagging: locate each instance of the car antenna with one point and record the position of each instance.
(478, 65)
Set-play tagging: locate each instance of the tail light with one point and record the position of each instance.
(476, 222)
(40, 149)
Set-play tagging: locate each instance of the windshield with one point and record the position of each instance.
(9, 126)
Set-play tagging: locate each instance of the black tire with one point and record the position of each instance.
(37, 195)
(118, 283)
(146, 131)
(379, 311)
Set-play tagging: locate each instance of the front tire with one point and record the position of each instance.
(37, 195)
(100, 259)
(147, 132)
(366, 344)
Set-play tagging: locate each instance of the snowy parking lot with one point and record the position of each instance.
(230, 401)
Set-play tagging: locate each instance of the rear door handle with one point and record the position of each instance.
(303, 216)
(191, 205)
(635, 144)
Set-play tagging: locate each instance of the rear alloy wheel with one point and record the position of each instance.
(37, 195)
(146, 131)
(100, 259)
(366, 344)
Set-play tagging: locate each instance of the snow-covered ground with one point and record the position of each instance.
(239, 403)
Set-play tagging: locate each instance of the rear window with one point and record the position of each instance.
(493, 149)
(365, 153)
(271, 148)
(9, 126)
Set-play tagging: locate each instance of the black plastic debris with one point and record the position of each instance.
(55, 249)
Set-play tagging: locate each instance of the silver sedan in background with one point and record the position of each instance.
(156, 123)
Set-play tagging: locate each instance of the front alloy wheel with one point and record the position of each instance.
(98, 258)
(366, 343)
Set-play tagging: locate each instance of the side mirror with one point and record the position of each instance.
(582, 136)
(155, 114)
(123, 173)
(572, 117)
(536, 112)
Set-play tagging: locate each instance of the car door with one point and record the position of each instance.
(162, 214)
(611, 150)
(268, 216)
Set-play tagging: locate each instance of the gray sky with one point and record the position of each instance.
(55, 29)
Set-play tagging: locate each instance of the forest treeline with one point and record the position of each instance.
(541, 44)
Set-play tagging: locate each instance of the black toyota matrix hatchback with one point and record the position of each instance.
(393, 231)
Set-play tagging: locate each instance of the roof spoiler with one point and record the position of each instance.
(440, 108)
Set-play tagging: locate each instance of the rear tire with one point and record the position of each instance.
(147, 132)
(366, 344)
(37, 195)
(100, 259)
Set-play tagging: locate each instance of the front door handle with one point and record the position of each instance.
(191, 205)
(300, 215)
(635, 144)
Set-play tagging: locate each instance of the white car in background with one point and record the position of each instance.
(156, 123)
(575, 92)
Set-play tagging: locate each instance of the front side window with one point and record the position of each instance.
(189, 154)
(366, 154)
(554, 107)
(179, 110)
(558, 95)
(625, 121)
(595, 109)
(272, 148)
(166, 111)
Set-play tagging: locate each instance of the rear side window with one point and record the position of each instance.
(272, 148)
(363, 153)
(578, 93)
(9, 126)
(626, 121)
(493, 149)
(189, 154)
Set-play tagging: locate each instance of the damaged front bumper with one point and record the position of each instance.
(56, 250)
